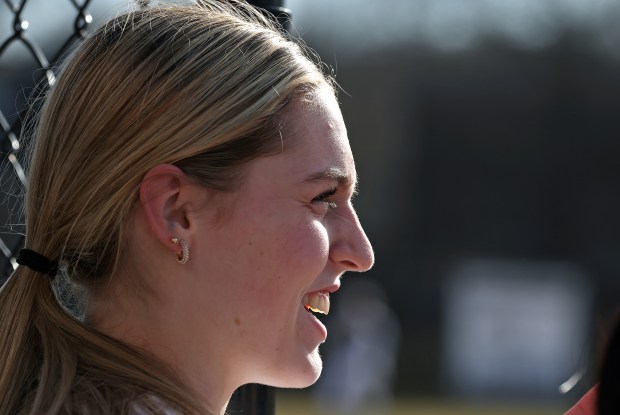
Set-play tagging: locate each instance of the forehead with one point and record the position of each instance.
(320, 146)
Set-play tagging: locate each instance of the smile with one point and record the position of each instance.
(317, 302)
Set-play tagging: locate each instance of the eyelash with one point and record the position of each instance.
(326, 195)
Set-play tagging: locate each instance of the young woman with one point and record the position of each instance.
(190, 195)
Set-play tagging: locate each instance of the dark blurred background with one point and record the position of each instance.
(486, 138)
(487, 142)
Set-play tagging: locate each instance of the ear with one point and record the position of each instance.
(166, 197)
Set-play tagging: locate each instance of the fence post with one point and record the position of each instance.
(257, 399)
(278, 9)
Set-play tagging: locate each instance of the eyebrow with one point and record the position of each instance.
(332, 173)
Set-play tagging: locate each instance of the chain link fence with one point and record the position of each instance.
(27, 70)
(19, 53)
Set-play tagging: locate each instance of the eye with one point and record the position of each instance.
(323, 202)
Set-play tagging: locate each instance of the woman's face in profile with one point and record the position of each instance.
(290, 233)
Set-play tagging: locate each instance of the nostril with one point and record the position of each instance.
(349, 264)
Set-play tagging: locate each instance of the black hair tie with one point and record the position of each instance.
(37, 262)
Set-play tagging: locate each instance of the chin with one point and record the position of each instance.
(300, 375)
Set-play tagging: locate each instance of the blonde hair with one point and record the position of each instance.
(203, 87)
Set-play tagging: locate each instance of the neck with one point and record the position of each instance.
(198, 363)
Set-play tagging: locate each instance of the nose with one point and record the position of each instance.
(350, 247)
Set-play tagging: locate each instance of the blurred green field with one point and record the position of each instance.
(301, 405)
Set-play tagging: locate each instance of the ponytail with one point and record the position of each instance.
(19, 340)
(54, 364)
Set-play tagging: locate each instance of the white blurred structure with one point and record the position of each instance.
(514, 328)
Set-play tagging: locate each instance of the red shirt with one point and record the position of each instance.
(586, 405)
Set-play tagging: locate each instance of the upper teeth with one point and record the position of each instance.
(317, 302)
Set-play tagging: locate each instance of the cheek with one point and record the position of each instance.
(289, 259)
(307, 247)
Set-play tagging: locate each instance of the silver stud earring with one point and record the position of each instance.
(183, 254)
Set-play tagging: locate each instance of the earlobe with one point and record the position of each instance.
(162, 201)
(183, 254)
